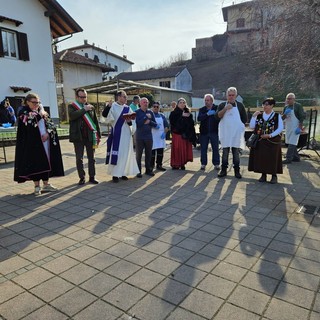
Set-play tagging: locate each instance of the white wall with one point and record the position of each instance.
(199, 102)
(75, 76)
(37, 73)
(105, 58)
(183, 81)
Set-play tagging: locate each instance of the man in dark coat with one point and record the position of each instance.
(209, 132)
(84, 133)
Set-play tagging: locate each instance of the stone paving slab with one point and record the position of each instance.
(180, 245)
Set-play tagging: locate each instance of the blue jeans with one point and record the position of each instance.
(235, 156)
(204, 142)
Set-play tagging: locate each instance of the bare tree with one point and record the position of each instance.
(293, 56)
(174, 60)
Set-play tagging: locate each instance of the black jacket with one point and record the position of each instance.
(77, 124)
(183, 125)
(30, 156)
(241, 108)
(208, 124)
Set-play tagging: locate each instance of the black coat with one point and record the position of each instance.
(183, 125)
(31, 157)
(4, 115)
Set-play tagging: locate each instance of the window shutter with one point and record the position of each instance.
(1, 45)
(23, 46)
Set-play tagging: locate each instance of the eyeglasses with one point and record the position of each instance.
(82, 97)
(35, 102)
(156, 106)
(266, 104)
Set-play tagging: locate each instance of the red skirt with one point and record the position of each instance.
(181, 151)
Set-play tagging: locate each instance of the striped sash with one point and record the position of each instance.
(91, 125)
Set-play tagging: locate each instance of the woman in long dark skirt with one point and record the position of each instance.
(266, 157)
(38, 153)
(183, 135)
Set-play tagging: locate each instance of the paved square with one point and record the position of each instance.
(182, 245)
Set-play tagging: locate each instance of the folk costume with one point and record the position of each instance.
(266, 158)
(183, 137)
(34, 159)
(120, 158)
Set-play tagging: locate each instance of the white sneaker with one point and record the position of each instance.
(37, 191)
(217, 167)
(49, 188)
(203, 167)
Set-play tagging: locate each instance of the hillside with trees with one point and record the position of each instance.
(290, 63)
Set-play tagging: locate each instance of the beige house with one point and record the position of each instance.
(72, 71)
(251, 26)
(116, 62)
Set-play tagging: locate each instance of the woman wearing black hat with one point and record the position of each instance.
(266, 157)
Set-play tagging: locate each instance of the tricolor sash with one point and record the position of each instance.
(113, 141)
(91, 125)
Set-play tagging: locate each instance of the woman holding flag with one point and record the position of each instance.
(84, 133)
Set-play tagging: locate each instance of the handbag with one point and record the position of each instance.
(252, 141)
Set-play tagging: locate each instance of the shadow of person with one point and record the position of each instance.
(276, 240)
(143, 197)
(199, 234)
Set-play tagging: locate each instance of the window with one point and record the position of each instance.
(14, 45)
(86, 55)
(165, 84)
(115, 68)
(9, 41)
(240, 23)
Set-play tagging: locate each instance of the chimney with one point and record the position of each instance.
(85, 41)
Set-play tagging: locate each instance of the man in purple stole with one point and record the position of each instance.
(120, 158)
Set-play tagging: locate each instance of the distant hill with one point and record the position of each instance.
(253, 76)
(222, 73)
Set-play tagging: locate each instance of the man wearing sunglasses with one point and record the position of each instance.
(84, 133)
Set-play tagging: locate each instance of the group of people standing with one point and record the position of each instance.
(149, 128)
(224, 123)
(38, 154)
(266, 157)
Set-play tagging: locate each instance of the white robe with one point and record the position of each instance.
(231, 129)
(127, 163)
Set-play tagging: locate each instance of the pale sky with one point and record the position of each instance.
(147, 31)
